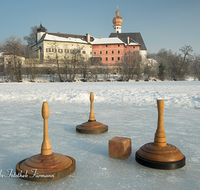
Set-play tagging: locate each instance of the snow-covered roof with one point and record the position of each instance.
(113, 40)
(63, 39)
(133, 44)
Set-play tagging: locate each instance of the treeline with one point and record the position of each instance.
(176, 66)
(164, 65)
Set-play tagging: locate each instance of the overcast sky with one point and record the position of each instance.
(168, 24)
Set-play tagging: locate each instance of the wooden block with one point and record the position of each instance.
(120, 147)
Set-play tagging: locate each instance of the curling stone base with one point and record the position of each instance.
(47, 170)
(160, 165)
(91, 127)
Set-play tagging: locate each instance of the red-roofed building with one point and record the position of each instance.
(110, 51)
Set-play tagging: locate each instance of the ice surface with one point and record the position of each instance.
(128, 108)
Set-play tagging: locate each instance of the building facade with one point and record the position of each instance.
(51, 46)
(111, 51)
(108, 51)
(8, 59)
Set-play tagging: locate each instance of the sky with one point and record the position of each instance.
(168, 24)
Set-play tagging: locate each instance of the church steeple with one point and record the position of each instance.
(40, 32)
(117, 22)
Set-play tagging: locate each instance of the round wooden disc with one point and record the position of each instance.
(92, 127)
(45, 167)
(168, 157)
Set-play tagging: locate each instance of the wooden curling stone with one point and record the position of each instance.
(159, 154)
(46, 166)
(92, 126)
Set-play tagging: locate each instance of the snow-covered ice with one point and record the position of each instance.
(128, 108)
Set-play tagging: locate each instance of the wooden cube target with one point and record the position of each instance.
(119, 147)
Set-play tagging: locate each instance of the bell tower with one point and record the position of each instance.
(40, 31)
(117, 22)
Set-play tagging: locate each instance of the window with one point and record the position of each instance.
(118, 58)
(83, 52)
(106, 45)
(118, 52)
(118, 45)
(112, 52)
(112, 58)
(66, 51)
(100, 52)
(106, 59)
(100, 58)
(60, 50)
(95, 53)
(106, 52)
(133, 47)
(48, 50)
(53, 50)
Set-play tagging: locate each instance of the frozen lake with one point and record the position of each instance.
(128, 108)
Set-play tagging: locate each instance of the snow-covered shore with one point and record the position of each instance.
(175, 94)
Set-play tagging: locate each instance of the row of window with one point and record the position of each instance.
(113, 59)
(64, 57)
(66, 51)
(113, 45)
(107, 52)
(118, 46)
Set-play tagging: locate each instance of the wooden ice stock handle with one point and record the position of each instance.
(46, 145)
(160, 136)
(92, 116)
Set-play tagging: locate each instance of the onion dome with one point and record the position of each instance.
(117, 20)
(41, 28)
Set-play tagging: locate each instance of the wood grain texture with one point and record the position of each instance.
(159, 154)
(39, 167)
(92, 126)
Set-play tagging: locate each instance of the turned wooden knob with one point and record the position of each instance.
(92, 116)
(160, 136)
(46, 145)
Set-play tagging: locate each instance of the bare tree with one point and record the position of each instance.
(14, 47)
(176, 66)
(179, 64)
(150, 71)
(195, 68)
(31, 39)
(32, 68)
(75, 63)
(130, 65)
